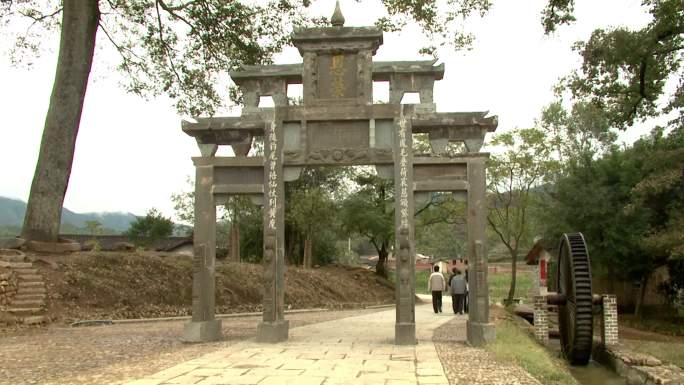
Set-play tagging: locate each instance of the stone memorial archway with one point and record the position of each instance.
(337, 124)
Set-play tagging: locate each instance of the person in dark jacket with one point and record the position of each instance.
(458, 290)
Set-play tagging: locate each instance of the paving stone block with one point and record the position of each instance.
(401, 382)
(401, 365)
(429, 365)
(275, 380)
(382, 377)
(324, 365)
(298, 364)
(231, 380)
(402, 357)
(174, 371)
(206, 372)
(146, 381)
(357, 381)
(433, 380)
(184, 380)
(430, 372)
(274, 372)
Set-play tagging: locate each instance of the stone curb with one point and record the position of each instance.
(230, 315)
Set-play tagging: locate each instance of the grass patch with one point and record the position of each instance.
(500, 283)
(514, 344)
(661, 324)
(421, 280)
(670, 352)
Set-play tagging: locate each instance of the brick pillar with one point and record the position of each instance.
(541, 320)
(609, 320)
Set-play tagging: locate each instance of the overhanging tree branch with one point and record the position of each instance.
(173, 12)
(166, 46)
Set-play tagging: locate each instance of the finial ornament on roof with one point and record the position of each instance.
(337, 19)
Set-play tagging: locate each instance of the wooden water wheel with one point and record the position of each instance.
(575, 316)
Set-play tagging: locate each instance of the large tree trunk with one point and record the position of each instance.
(514, 261)
(291, 246)
(51, 178)
(235, 242)
(381, 266)
(308, 246)
(639, 307)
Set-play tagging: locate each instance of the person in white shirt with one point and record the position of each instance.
(436, 285)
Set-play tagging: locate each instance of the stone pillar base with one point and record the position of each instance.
(63, 246)
(202, 331)
(480, 333)
(405, 334)
(273, 331)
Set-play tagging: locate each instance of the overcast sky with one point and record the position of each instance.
(131, 154)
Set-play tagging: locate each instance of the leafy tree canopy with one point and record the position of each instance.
(628, 204)
(625, 73)
(147, 229)
(180, 48)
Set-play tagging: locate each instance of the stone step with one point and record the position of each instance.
(35, 320)
(24, 311)
(30, 278)
(31, 290)
(20, 265)
(26, 271)
(31, 284)
(29, 296)
(29, 303)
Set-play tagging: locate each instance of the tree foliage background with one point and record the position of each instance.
(145, 230)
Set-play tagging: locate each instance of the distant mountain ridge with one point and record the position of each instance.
(12, 213)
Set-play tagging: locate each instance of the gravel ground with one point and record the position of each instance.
(465, 365)
(118, 353)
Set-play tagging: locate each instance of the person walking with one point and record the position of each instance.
(436, 286)
(458, 290)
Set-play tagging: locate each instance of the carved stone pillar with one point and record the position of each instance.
(480, 330)
(274, 327)
(405, 328)
(203, 327)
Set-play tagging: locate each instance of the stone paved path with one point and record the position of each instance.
(355, 350)
(116, 354)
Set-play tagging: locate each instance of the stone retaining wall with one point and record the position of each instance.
(637, 368)
(8, 288)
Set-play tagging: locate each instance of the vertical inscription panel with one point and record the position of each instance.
(274, 225)
(404, 232)
(337, 76)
